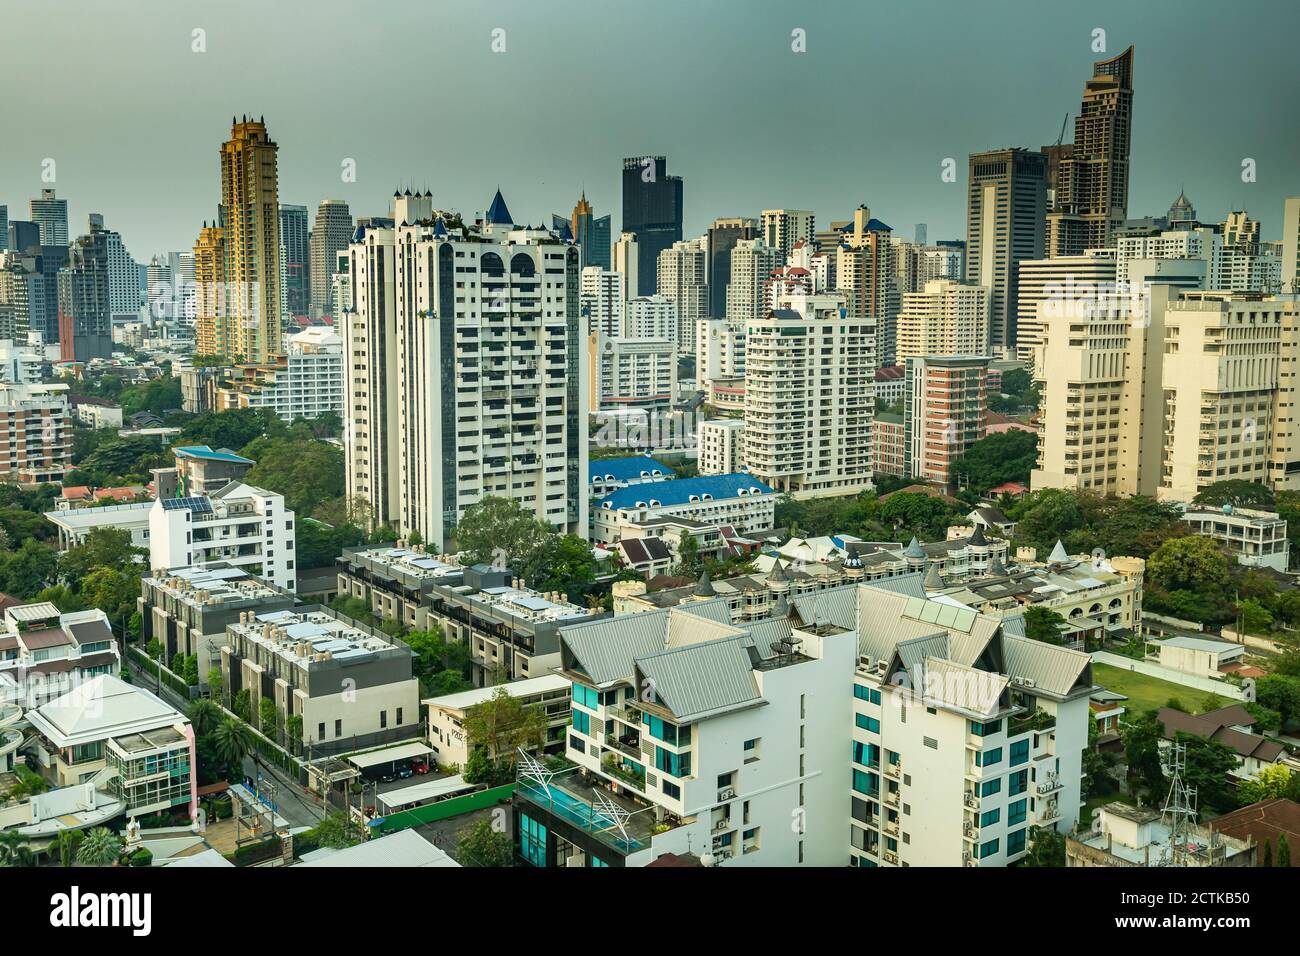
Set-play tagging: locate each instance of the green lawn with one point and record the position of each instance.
(1151, 693)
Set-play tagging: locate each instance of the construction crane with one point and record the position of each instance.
(1061, 138)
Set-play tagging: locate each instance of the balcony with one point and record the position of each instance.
(1037, 722)
(572, 798)
(628, 745)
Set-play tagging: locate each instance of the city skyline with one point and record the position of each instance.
(723, 145)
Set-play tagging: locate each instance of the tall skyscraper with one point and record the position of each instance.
(865, 272)
(1291, 245)
(210, 321)
(85, 310)
(4, 228)
(181, 265)
(590, 234)
(723, 236)
(1091, 196)
(1005, 212)
(251, 242)
(627, 263)
(51, 216)
(24, 235)
(782, 228)
(123, 273)
(682, 277)
(602, 302)
(945, 406)
(296, 255)
(752, 265)
(652, 209)
(1045, 284)
(415, 363)
(945, 318)
(330, 234)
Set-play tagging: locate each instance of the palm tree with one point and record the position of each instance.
(232, 741)
(15, 851)
(65, 846)
(101, 847)
(204, 716)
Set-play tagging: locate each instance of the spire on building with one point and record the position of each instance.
(703, 587)
(498, 214)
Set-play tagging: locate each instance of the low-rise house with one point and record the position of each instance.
(1256, 538)
(44, 653)
(452, 747)
(1230, 726)
(1125, 836)
(76, 524)
(120, 738)
(737, 500)
(1203, 656)
(203, 470)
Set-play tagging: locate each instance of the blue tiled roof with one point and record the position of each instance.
(873, 225)
(624, 469)
(205, 452)
(679, 491)
(498, 214)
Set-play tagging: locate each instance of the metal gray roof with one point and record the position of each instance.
(1053, 669)
(702, 680)
(608, 648)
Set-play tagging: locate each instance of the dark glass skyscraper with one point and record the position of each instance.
(723, 236)
(589, 233)
(652, 208)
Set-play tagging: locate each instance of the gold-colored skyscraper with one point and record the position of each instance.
(210, 292)
(251, 204)
(1091, 184)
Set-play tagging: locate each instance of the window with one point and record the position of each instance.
(1015, 815)
(984, 729)
(990, 817)
(1019, 752)
(679, 765)
(320, 731)
(338, 728)
(990, 787)
(399, 716)
(532, 840)
(867, 723)
(1017, 782)
(867, 783)
(988, 849)
(989, 758)
(1015, 842)
(575, 743)
(868, 755)
(586, 696)
(383, 719)
(752, 752)
(671, 790)
(582, 722)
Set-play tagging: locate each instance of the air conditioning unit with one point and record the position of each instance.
(727, 793)
(722, 824)
(965, 855)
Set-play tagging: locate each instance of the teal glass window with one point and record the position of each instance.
(990, 817)
(1017, 782)
(988, 849)
(1019, 752)
(989, 757)
(532, 840)
(991, 786)
(1016, 813)
(867, 723)
(1015, 842)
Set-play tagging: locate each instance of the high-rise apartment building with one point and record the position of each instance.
(1046, 283)
(306, 382)
(251, 244)
(627, 257)
(752, 265)
(295, 254)
(946, 318)
(35, 433)
(591, 234)
(1004, 226)
(4, 228)
(1201, 370)
(651, 317)
(631, 373)
(916, 264)
(864, 273)
(602, 300)
(85, 309)
(330, 235)
(1290, 275)
(652, 211)
(945, 411)
(50, 214)
(683, 278)
(485, 368)
(210, 320)
(723, 236)
(1091, 194)
(809, 397)
(782, 228)
(719, 351)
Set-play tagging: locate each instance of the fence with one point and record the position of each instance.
(1222, 688)
(169, 677)
(443, 809)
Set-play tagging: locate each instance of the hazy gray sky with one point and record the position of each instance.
(413, 92)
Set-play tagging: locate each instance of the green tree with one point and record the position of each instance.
(103, 548)
(688, 557)
(483, 845)
(1142, 754)
(1207, 768)
(1235, 492)
(994, 459)
(501, 724)
(113, 590)
(1254, 617)
(101, 847)
(305, 471)
(1271, 783)
(65, 846)
(497, 525)
(205, 716)
(267, 717)
(1191, 563)
(15, 850)
(1046, 848)
(1043, 624)
(243, 705)
(26, 571)
(1280, 693)
(232, 741)
(1283, 851)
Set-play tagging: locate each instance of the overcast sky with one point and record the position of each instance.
(133, 118)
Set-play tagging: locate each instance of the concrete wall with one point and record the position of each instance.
(1222, 688)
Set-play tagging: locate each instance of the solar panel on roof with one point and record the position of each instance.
(197, 505)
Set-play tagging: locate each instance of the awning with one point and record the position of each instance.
(375, 758)
(421, 792)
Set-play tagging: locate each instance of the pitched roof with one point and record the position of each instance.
(701, 680)
(625, 469)
(498, 214)
(1266, 822)
(679, 491)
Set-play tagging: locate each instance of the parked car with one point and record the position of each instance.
(405, 771)
(420, 766)
(387, 776)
